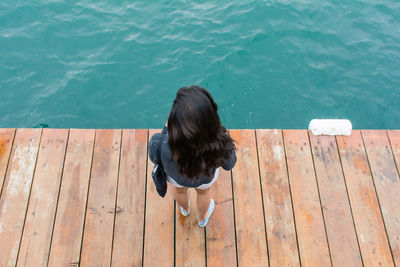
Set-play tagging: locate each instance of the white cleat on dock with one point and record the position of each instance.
(330, 127)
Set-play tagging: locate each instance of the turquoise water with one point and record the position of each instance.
(268, 64)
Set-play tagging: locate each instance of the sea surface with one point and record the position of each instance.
(268, 64)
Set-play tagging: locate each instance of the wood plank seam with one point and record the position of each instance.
(116, 196)
(396, 254)
(262, 196)
(348, 198)
(391, 148)
(313, 245)
(234, 215)
(265, 213)
(66, 242)
(175, 233)
(58, 195)
(367, 214)
(15, 197)
(8, 161)
(377, 197)
(145, 195)
(234, 220)
(87, 195)
(252, 246)
(189, 237)
(30, 190)
(158, 219)
(205, 245)
(319, 195)
(220, 236)
(100, 214)
(129, 220)
(291, 198)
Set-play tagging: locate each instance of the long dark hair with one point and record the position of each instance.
(198, 141)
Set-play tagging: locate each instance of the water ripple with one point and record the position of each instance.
(269, 64)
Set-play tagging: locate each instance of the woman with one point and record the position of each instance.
(196, 145)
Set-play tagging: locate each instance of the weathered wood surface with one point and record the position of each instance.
(35, 243)
(313, 245)
(250, 227)
(335, 203)
(86, 197)
(159, 231)
(99, 222)
(394, 138)
(15, 194)
(220, 233)
(6, 140)
(387, 184)
(190, 243)
(129, 217)
(367, 216)
(68, 228)
(279, 219)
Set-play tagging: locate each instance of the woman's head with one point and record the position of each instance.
(197, 140)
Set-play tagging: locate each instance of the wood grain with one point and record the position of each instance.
(220, 232)
(16, 190)
(394, 138)
(281, 232)
(371, 233)
(103, 172)
(190, 241)
(35, 243)
(6, 140)
(335, 204)
(313, 245)
(250, 228)
(387, 184)
(99, 222)
(159, 229)
(129, 218)
(68, 227)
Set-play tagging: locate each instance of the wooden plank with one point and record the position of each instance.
(394, 138)
(313, 246)
(220, 232)
(250, 228)
(281, 232)
(129, 218)
(190, 243)
(68, 227)
(342, 237)
(99, 222)
(16, 190)
(387, 184)
(6, 140)
(367, 217)
(36, 238)
(159, 228)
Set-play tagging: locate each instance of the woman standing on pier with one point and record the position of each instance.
(195, 146)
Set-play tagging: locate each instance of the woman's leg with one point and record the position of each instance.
(203, 202)
(181, 196)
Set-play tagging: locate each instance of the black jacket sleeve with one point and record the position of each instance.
(230, 163)
(153, 145)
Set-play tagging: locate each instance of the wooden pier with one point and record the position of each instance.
(86, 198)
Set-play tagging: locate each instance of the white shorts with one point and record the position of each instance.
(203, 186)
